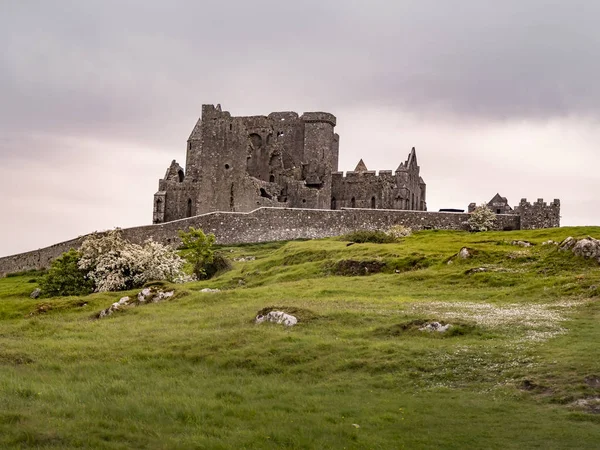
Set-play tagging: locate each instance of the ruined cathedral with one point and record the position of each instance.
(281, 160)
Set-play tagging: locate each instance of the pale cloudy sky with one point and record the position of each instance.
(98, 96)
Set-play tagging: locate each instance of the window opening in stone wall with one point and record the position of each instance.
(265, 194)
(412, 201)
(353, 203)
(181, 176)
(333, 203)
(226, 166)
(230, 126)
(372, 202)
(189, 145)
(272, 178)
(498, 211)
(189, 208)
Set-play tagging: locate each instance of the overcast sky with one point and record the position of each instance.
(97, 97)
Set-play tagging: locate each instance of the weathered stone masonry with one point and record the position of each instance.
(533, 216)
(267, 224)
(238, 164)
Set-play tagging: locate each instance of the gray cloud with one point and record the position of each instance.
(86, 85)
(111, 63)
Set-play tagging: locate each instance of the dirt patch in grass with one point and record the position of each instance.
(412, 328)
(303, 315)
(352, 267)
(593, 381)
(14, 358)
(46, 307)
(589, 404)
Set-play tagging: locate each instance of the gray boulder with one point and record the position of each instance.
(36, 293)
(587, 247)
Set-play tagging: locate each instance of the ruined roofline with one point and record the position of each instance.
(375, 173)
(538, 202)
(210, 111)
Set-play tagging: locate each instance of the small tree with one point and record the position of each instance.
(482, 218)
(115, 264)
(65, 277)
(200, 252)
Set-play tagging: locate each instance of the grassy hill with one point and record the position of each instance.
(518, 369)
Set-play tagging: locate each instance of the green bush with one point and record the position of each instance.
(374, 237)
(200, 252)
(65, 277)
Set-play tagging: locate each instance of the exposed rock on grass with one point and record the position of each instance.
(146, 295)
(483, 269)
(245, 258)
(36, 293)
(589, 404)
(301, 314)
(587, 247)
(419, 326)
(435, 326)
(278, 317)
(522, 243)
(463, 253)
(209, 290)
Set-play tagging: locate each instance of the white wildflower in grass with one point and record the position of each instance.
(398, 231)
(115, 264)
(537, 322)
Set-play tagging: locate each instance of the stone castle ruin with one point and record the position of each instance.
(275, 177)
(238, 164)
(531, 216)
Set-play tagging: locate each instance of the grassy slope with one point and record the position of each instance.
(195, 372)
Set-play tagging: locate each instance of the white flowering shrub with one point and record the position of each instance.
(399, 231)
(482, 218)
(114, 264)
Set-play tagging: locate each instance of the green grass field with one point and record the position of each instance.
(519, 369)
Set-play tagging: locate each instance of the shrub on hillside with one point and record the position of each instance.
(374, 237)
(65, 277)
(115, 264)
(201, 254)
(399, 231)
(482, 218)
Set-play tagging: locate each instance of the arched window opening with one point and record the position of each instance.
(189, 208)
(272, 178)
(333, 203)
(353, 203)
(181, 175)
(265, 194)
(372, 202)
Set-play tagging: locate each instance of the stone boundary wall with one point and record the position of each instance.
(267, 224)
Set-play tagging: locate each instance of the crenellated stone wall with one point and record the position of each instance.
(268, 224)
(539, 214)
